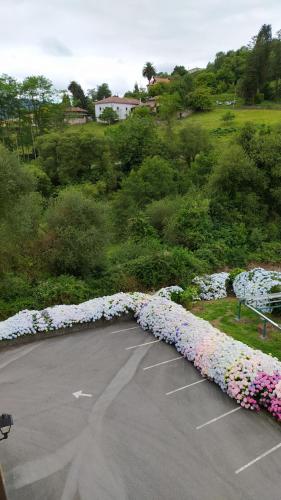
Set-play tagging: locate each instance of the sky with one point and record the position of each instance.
(95, 41)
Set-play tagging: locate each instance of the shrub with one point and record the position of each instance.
(14, 287)
(62, 290)
(228, 117)
(176, 265)
(12, 307)
(231, 277)
(200, 100)
(187, 297)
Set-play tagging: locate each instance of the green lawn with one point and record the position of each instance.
(213, 119)
(221, 313)
(95, 127)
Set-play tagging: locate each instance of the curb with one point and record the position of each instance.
(34, 337)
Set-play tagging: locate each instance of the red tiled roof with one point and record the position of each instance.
(76, 110)
(118, 100)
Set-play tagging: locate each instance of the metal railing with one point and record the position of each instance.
(272, 300)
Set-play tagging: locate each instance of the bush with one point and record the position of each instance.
(187, 297)
(200, 100)
(62, 290)
(268, 252)
(231, 277)
(214, 254)
(14, 287)
(12, 307)
(228, 117)
(176, 265)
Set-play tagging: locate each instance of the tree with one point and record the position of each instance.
(78, 96)
(37, 93)
(92, 94)
(74, 234)
(191, 225)
(257, 68)
(74, 156)
(66, 99)
(276, 63)
(200, 100)
(236, 185)
(169, 105)
(192, 140)
(148, 71)
(9, 97)
(143, 186)
(103, 91)
(137, 93)
(109, 116)
(20, 212)
(182, 85)
(179, 70)
(134, 139)
(14, 181)
(9, 109)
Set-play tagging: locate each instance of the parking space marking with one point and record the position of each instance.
(258, 458)
(19, 354)
(124, 330)
(186, 386)
(140, 345)
(218, 418)
(163, 363)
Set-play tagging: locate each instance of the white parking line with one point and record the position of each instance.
(218, 418)
(140, 345)
(258, 458)
(19, 354)
(163, 362)
(186, 386)
(124, 330)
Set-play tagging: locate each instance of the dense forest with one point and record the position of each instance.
(147, 202)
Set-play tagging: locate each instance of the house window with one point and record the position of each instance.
(100, 108)
(117, 108)
(126, 109)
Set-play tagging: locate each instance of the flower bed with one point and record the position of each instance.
(63, 316)
(256, 283)
(213, 286)
(249, 376)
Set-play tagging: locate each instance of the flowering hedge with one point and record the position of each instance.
(256, 283)
(62, 316)
(213, 286)
(249, 376)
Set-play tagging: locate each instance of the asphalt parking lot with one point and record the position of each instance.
(111, 413)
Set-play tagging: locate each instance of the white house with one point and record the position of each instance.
(122, 105)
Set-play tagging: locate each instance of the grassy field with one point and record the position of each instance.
(222, 313)
(95, 127)
(213, 119)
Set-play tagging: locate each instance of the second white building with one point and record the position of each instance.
(122, 105)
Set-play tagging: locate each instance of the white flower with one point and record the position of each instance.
(213, 286)
(167, 292)
(255, 286)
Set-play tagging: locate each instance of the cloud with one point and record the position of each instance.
(94, 41)
(54, 47)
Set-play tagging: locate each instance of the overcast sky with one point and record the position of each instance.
(93, 41)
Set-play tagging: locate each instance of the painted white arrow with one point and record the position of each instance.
(78, 394)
